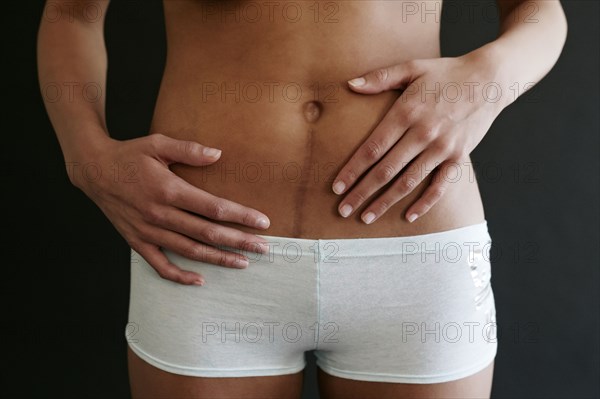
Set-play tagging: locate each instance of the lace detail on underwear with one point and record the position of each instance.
(481, 274)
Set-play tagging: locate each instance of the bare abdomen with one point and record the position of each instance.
(283, 143)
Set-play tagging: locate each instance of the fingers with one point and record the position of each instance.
(382, 173)
(200, 202)
(393, 77)
(391, 129)
(164, 267)
(414, 175)
(210, 233)
(193, 250)
(171, 150)
(433, 193)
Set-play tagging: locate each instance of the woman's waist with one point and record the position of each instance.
(217, 104)
(281, 160)
(298, 198)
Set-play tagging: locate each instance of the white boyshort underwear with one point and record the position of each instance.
(416, 309)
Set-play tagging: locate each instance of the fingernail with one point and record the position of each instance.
(346, 209)
(369, 217)
(211, 152)
(240, 263)
(262, 223)
(357, 82)
(339, 187)
(199, 282)
(412, 217)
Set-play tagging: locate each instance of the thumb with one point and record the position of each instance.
(186, 152)
(397, 76)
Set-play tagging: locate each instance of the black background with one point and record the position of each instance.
(66, 276)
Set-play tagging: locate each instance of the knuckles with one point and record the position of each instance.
(351, 176)
(168, 274)
(411, 65)
(190, 149)
(455, 152)
(431, 199)
(436, 194)
(194, 252)
(247, 219)
(222, 260)
(382, 206)
(372, 150)
(385, 173)
(211, 235)
(357, 198)
(217, 210)
(408, 111)
(248, 244)
(153, 214)
(168, 194)
(156, 141)
(428, 133)
(440, 147)
(381, 75)
(407, 183)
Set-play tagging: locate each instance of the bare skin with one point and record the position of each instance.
(293, 158)
(286, 132)
(271, 93)
(147, 381)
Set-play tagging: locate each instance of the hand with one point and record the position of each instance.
(445, 110)
(155, 208)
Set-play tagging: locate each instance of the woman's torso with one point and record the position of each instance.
(250, 77)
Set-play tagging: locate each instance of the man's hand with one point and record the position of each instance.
(151, 207)
(447, 107)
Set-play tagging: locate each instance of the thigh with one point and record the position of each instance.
(147, 381)
(478, 385)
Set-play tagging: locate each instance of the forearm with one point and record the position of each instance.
(532, 36)
(72, 66)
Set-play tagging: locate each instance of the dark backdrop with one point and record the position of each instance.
(65, 270)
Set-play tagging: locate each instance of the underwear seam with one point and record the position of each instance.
(369, 255)
(477, 367)
(318, 336)
(149, 358)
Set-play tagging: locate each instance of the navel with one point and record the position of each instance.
(312, 111)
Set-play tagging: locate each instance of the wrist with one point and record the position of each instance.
(492, 73)
(86, 145)
(84, 152)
